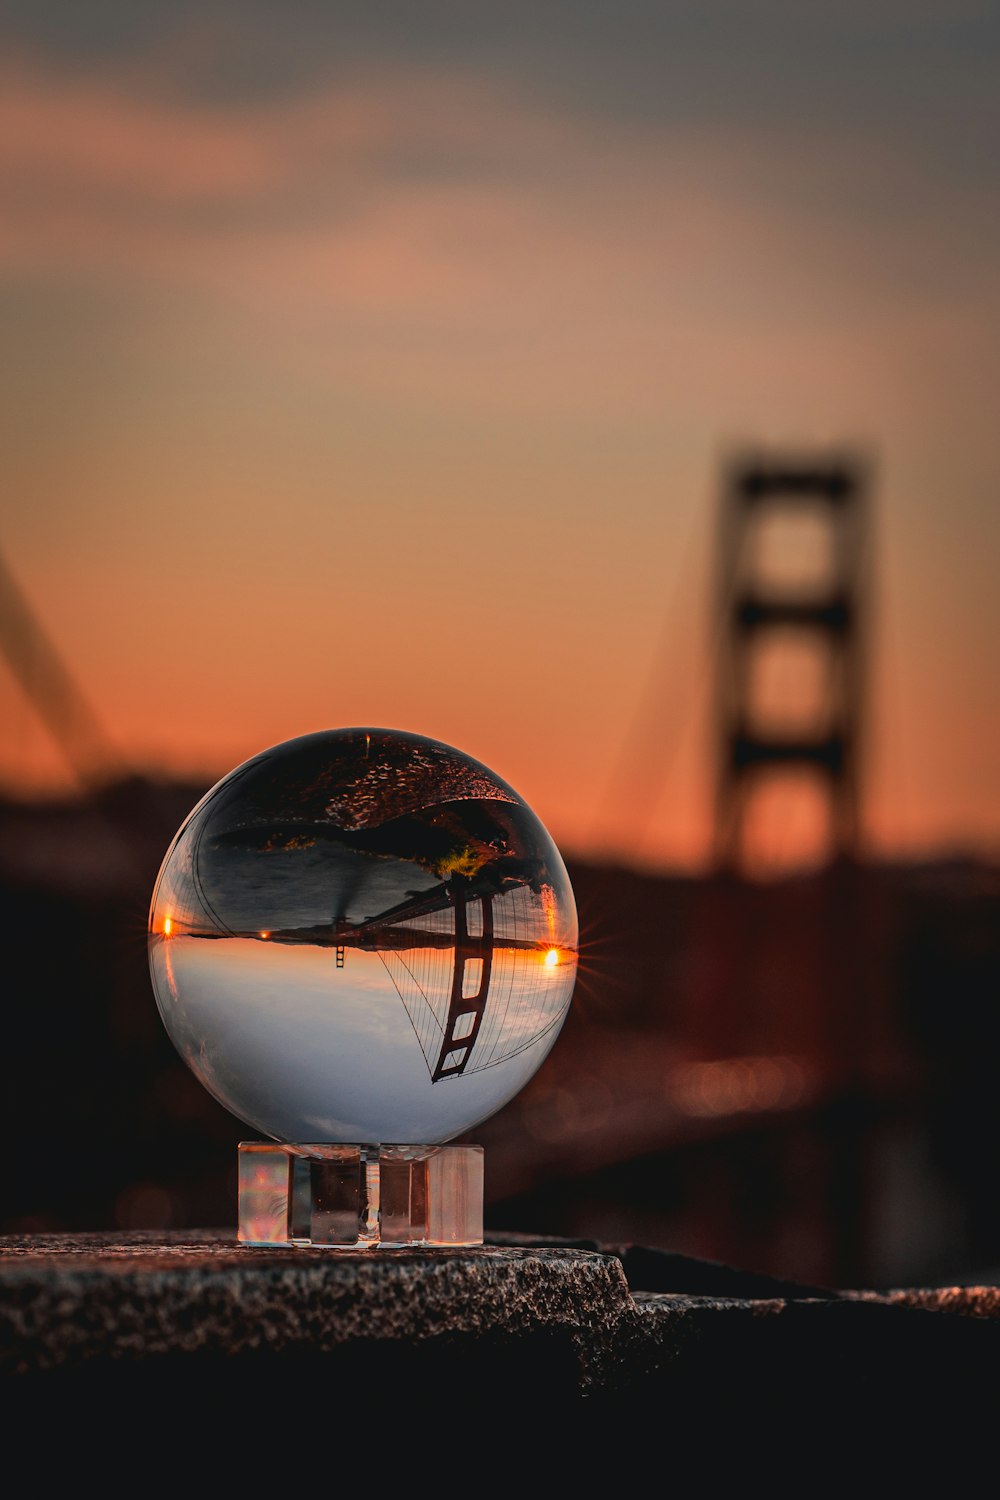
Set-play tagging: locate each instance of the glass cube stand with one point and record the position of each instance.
(359, 1197)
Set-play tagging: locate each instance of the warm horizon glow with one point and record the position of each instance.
(431, 353)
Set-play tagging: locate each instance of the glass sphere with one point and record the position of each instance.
(363, 936)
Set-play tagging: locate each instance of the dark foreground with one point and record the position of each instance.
(193, 1324)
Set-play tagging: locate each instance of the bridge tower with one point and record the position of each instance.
(473, 961)
(791, 544)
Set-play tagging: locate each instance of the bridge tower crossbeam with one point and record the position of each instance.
(825, 617)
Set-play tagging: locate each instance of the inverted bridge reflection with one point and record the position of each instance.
(472, 967)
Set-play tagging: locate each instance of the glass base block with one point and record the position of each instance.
(360, 1197)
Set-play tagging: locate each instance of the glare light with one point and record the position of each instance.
(265, 934)
(167, 924)
(552, 958)
(738, 1085)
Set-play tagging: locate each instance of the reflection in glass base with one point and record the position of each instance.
(360, 1197)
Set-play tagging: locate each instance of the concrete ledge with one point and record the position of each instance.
(138, 1313)
(67, 1301)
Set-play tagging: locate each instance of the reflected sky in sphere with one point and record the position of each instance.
(363, 936)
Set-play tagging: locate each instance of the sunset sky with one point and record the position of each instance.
(377, 364)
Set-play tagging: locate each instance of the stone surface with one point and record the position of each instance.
(201, 1318)
(653, 1270)
(67, 1301)
(969, 1301)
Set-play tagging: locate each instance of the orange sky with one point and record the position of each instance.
(390, 385)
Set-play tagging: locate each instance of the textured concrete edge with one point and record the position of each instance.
(69, 1308)
(84, 1302)
(966, 1301)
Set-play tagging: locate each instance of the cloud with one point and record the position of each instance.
(426, 231)
(90, 137)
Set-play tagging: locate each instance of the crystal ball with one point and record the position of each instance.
(363, 936)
